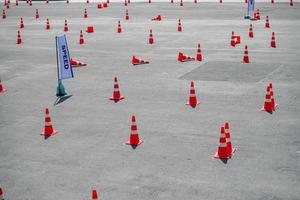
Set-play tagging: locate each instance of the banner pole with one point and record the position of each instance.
(57, 60)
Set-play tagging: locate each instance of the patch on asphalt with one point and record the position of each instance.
(230, 71)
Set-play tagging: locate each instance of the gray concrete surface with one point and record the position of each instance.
(175, 162)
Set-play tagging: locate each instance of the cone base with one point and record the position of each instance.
(115, 99)
(82, 65)
(140, 142)
(146, 62)
(218, 157)
(186, 60)
(263, 108)
(188, 104)
(3, 90)
(54, 132)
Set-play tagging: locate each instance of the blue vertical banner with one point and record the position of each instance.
(65, 70)
(250, 5)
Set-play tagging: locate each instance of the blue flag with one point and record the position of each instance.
(250, 5)
(64, 66)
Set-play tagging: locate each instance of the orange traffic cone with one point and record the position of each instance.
(90, 29)
(128, 1)
(94, 194)
(184, 58)
(251, 35)
(273, 42)
(149, 1)
(232, 42)
(47, 1)
(268, 106)
(221, 1)
(230, 149)
(126, 15)
(19, 39)
(274, 105)
(134, 136)
(1, 194)
(246, 57)
(3, 14)
(87, 1)
(119, 30)
(17, 2)
(37, 15)
(81, 40)
(21, 23)
(195, 1)
(66, 28)
(116, 94)
(151, 39)
(222, 152)
(157, 18)
(138, 61)
(2, 89)
(125, 3)
(267, 24)
(30, 2)
(75, 63)
(272, 1)
(246, 1)
(85, 15)
(172, 1)
(193, 102)
(199, 56)
(47, 24)
(179, 28)
(291, 3)
(181, 2)
(48, 130)
(67, 1)
(257, 14)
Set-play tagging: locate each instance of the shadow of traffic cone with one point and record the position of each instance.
(222, 152)
(116, 94)
(273, 41)
(19, 39)
(138, 61)
(66, 28)
(230, 149)
(1, 194)
(179, 27)
(75, 63)
(3, 14)
(184, 58)
(2, 89)
(267, 24)
(232, 41)
(151, 39)
(48, 129)
(251, 35)
(119, 29)
(199, 54)
(47, 24)
(193, 102)
(21, 23)
(134, 139)
(246, 57)
(274, 105)
(291, 3)
(37, 15)
(81, 40)
(181, 2)
(126, 15)
(85, 15)
(94, 194)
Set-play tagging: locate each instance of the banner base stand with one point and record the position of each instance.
(60, 90)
